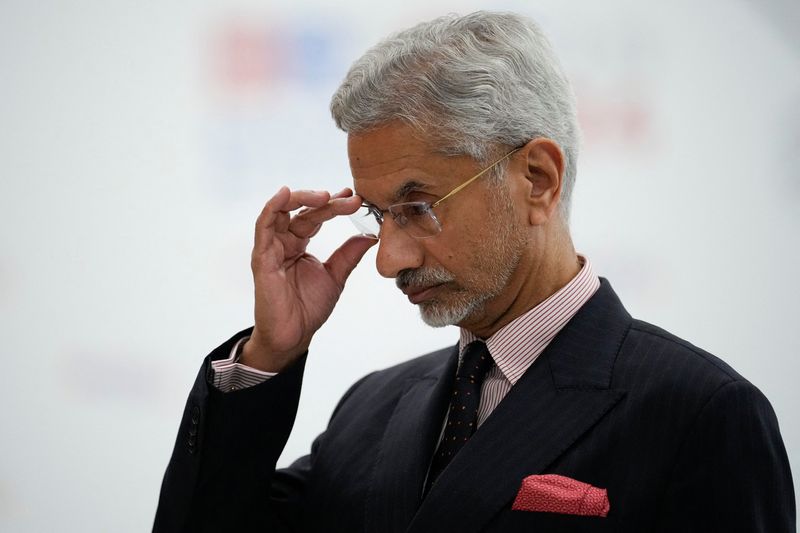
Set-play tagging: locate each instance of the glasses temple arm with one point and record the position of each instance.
(478, 175)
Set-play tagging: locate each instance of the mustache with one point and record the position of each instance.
(422, 277)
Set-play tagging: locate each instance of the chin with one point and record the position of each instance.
(439, 315)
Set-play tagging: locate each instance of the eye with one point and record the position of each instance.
(416, 209)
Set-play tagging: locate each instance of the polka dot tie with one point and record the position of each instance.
(462, 419)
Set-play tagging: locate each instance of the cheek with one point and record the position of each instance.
(464, 243)
(463, 256)
(442, 257)
(443, 251)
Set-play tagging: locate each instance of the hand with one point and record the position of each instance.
(294, 292)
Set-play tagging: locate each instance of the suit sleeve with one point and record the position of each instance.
(222, 470)
(732, 472)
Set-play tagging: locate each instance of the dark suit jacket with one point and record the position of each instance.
(680, 441)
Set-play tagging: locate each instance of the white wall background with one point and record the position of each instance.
(138, 141)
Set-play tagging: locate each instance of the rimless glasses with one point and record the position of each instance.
(416, 218)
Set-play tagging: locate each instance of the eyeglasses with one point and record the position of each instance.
(416, 218)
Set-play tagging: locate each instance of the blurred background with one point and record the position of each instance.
(139, 141)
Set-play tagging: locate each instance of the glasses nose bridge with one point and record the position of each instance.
(397, 216)
(382, 222)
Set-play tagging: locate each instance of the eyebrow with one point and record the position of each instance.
(407, 188)
(404, 190)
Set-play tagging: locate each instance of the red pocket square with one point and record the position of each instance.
(551, 493)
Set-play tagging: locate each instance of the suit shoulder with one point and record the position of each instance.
(672, 357)
(682, 387)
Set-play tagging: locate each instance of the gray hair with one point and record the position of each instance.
(472, 84)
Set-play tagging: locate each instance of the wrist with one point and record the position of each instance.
(257, 356)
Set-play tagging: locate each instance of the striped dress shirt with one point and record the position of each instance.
(515, 346)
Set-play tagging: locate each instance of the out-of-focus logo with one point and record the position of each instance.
(252, 55)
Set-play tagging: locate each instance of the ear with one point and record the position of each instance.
(544, 171)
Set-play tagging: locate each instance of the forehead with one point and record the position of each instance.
(394, 159)
(392, 140)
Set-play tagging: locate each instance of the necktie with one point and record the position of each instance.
(462, 418)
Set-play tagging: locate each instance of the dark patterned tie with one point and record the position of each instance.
(462, 419)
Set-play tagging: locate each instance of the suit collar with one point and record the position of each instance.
(515, 346)
(584, 352)
(408, 443)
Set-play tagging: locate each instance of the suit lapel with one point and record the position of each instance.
(564, 394)
(407, 447)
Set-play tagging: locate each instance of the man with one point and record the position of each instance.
(556, 411)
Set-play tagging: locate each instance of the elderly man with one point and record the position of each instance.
(556, 411)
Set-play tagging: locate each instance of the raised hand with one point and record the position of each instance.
(295, 292)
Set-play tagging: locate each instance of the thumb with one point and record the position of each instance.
(345, 258)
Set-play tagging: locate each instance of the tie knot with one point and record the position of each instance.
(476, 361)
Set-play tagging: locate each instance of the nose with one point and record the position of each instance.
(397, 250)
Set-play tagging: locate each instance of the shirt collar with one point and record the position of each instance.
(515, 346)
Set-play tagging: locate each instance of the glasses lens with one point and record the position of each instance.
(416, 218)
(366, 223)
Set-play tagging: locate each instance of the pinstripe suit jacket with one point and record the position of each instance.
(681, 442)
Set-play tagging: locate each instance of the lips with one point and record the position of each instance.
(420, 284)
(420, 294)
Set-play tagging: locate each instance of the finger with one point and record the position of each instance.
(344, 193)
(307, 223)
(300, 199)
(286, 200)
(345, 258)
(314, 231)
(275, 212)
(273, 206)
(266, 219)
